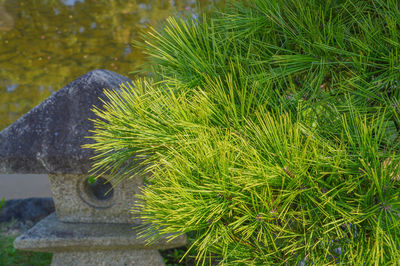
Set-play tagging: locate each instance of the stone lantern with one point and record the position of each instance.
(92, 224)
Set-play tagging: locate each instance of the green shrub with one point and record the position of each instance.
(269, 129)
(2, 202)
(11, 256)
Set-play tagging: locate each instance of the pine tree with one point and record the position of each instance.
(268, 130)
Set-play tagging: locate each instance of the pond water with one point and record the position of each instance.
(45, 44)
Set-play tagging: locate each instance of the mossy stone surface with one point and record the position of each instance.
(51, 235)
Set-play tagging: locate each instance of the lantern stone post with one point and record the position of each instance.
(92, 224)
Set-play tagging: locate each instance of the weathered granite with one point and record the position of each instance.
(138, 257)
(26, 210)
(51, 235)
(75, 203)
(48, 138)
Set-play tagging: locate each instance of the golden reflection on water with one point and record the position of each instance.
(45, 44)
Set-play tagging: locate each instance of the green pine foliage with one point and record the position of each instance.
(270, 130)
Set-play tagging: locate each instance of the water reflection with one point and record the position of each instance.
(71, 2)
(45, 44)
(6, 20)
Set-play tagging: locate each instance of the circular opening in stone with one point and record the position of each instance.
(99, 188)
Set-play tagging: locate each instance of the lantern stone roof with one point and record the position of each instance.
(49, 138)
